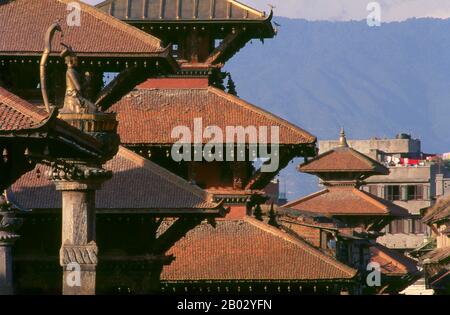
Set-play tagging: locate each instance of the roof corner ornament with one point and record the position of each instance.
(55, 27)
(74, 102)
(342, 139)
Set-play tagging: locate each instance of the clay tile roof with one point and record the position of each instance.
(437, 256)
(17, 114)
(391, 262)
(137, 184)
(249, 250)
(148, 116)
(180, 10)
(24, 23)
(439, 212)
(346, 200)
(343, 159)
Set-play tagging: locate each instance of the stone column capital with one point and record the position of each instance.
(81, 185)
(73, 176)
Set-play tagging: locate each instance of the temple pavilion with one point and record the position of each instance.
(132, 204)
(204, 34)
(342, 171)
(353, 217)
(29, 135)
(148, 223)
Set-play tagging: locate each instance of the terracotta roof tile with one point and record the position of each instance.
(17, 114)
(347, 200)
(170, 11)
(147, 116)
(437, 256)
(343, 159)
(137, 184)
(249, 250)
(391, 262)
(24, 23)
(439, 212)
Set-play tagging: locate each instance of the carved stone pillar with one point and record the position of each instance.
(78, 254)
(8, 223)
(6, 279)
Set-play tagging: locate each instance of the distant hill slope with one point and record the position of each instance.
(374, 81)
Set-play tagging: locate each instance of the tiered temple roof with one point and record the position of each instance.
(148, 115)
(341, 170)
(193, 26)
(392, 263)
(343, 163)
(249, 250)
(346, 201)
(24, 23)
(137, 186)
(181, 10)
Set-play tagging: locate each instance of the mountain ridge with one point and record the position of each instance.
(374, 81)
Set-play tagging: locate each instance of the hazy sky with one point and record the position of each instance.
(342, 10)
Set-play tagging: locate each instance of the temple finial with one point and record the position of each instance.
(342, 139)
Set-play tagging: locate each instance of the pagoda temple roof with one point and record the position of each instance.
(137, 185)
(346, 201)
(249, 250)
(182, 10)
(439, 212)
(343, 159)
(392, 263)
(25, 22)
(437, 256)
(148, 115)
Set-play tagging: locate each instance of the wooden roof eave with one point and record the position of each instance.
(216, 211)
(80, 140)
(165, 53)
(265, 281)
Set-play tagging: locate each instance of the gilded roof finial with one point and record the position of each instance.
(342, 139)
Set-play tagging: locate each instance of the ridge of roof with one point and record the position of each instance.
(371, 164)
(303, 244)
(207, 103)
(247, 7)
(263, 112)
(304, 198)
